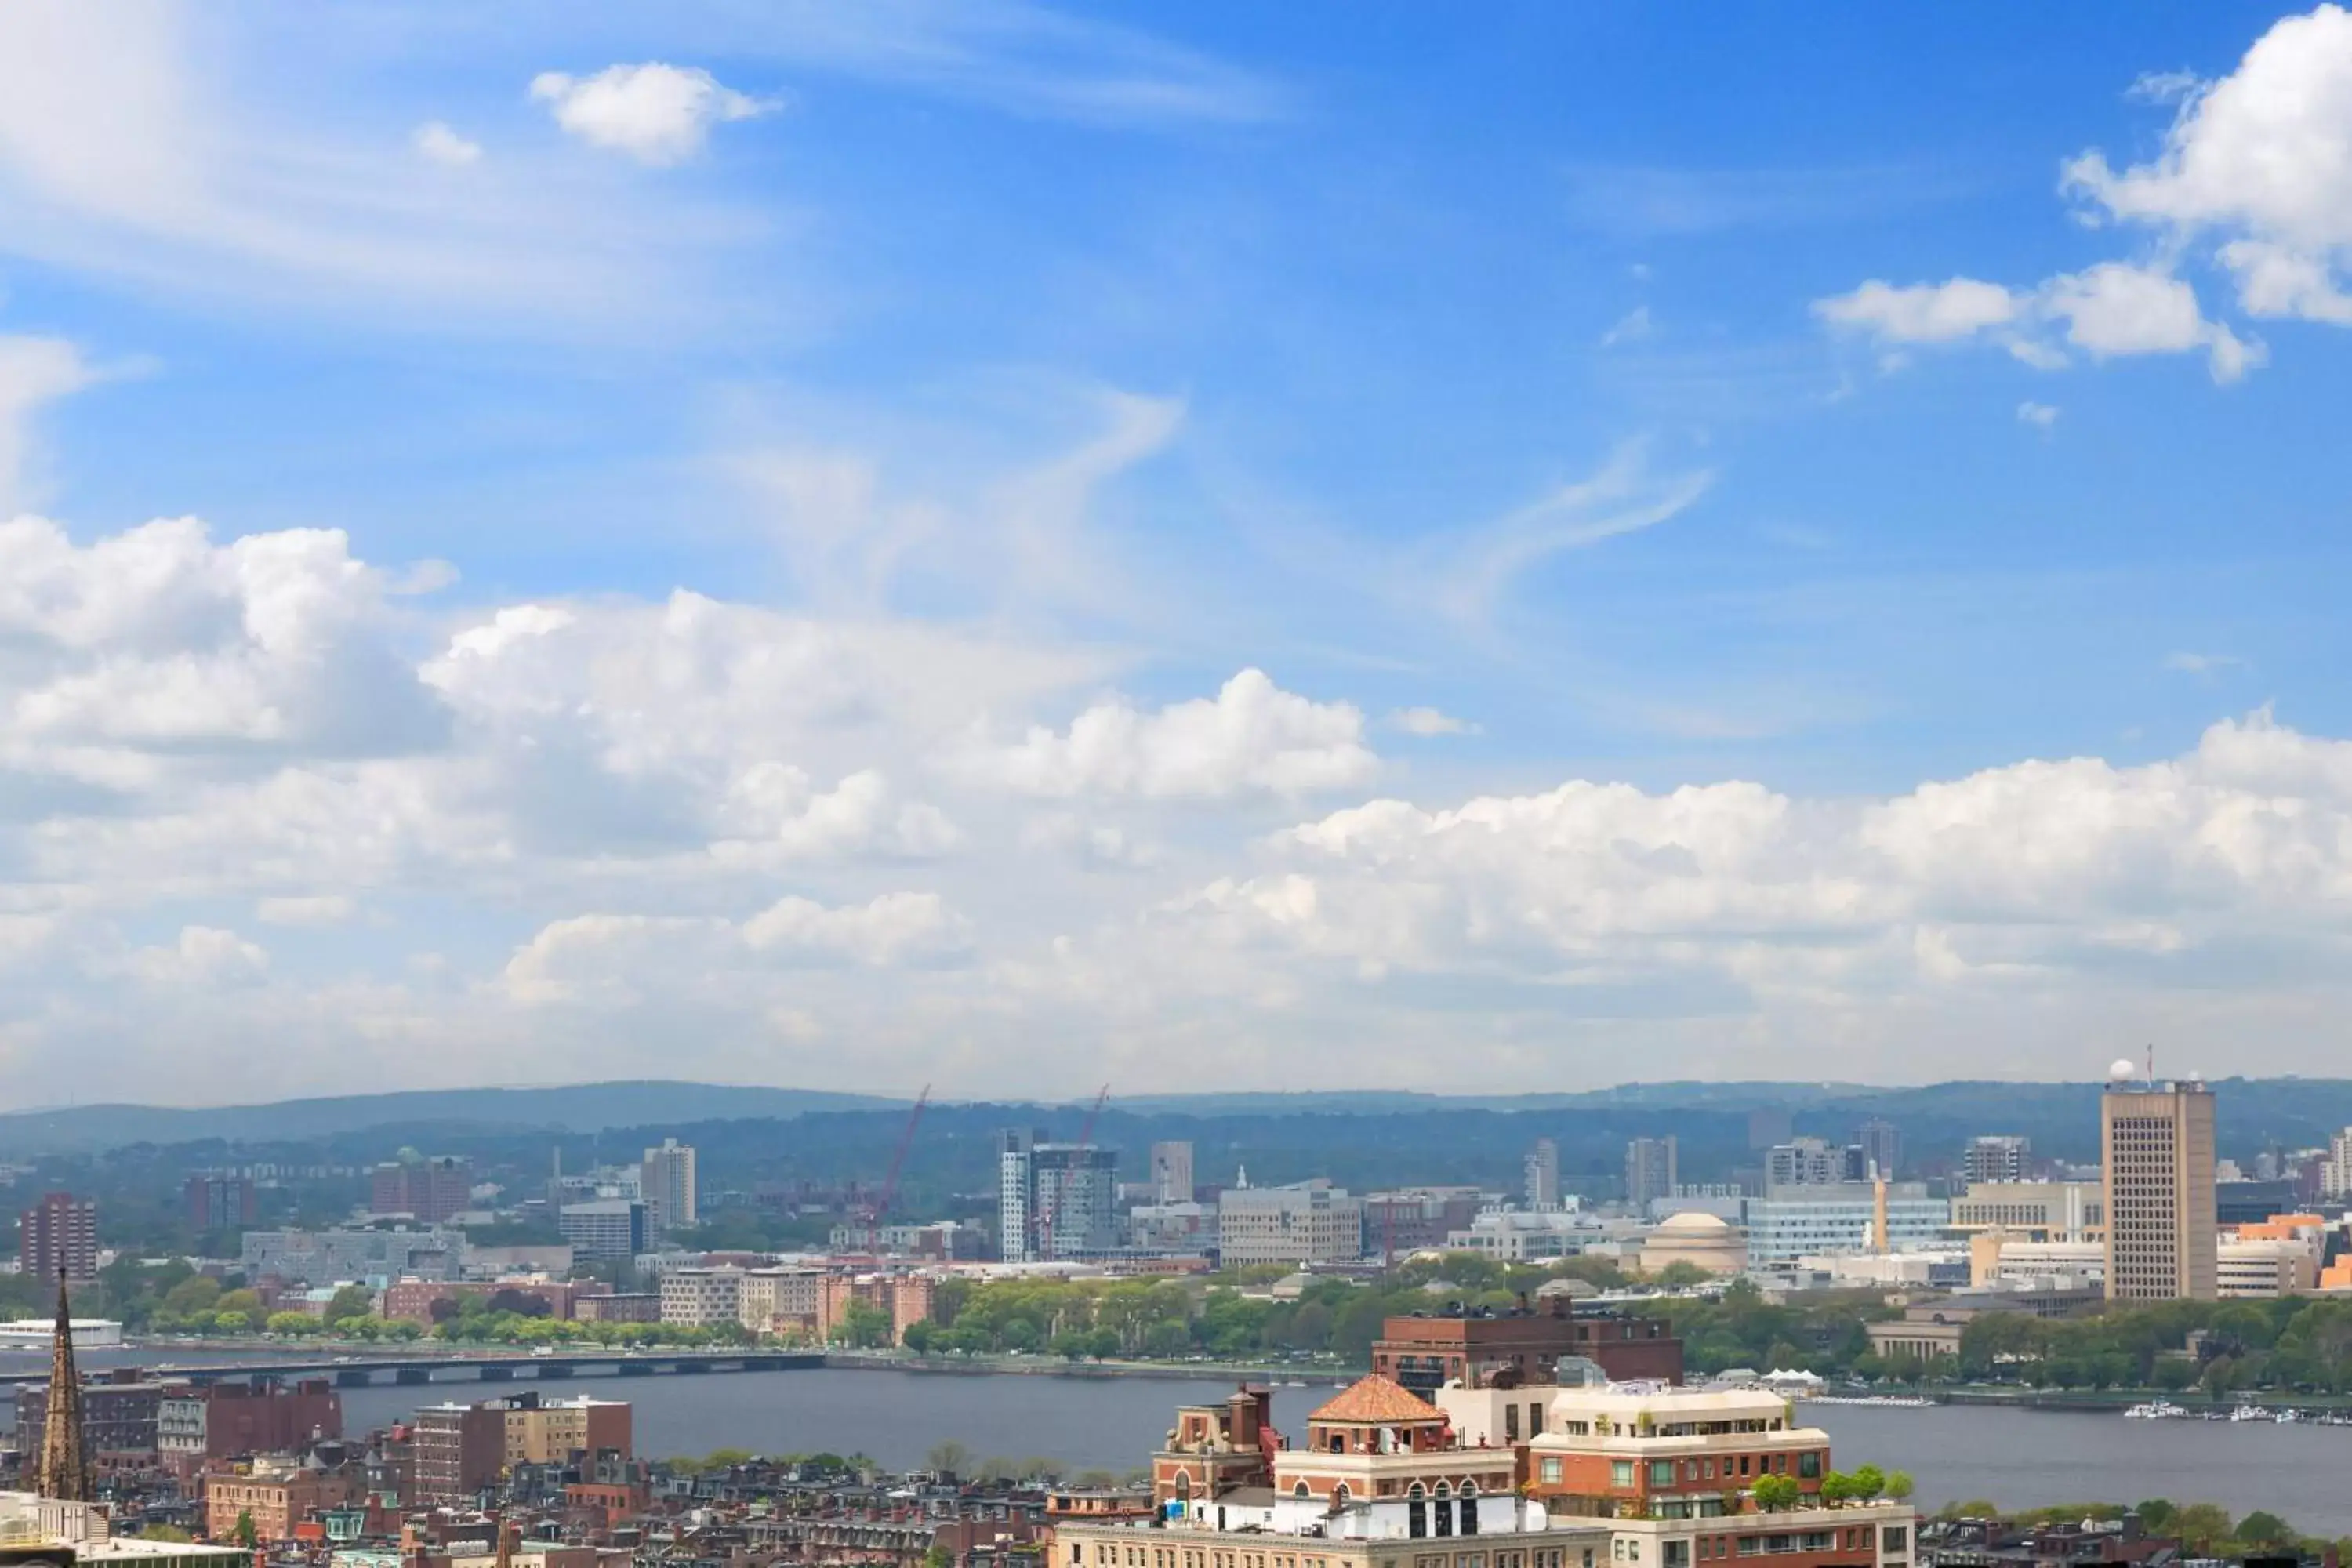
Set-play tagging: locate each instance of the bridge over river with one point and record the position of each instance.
(359, 1371)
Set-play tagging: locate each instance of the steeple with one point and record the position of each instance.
(65, 1465)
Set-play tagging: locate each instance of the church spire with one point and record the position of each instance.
(65, 1465)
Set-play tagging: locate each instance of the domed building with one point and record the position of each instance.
(1706, 1241)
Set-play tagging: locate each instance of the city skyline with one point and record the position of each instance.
(1005, 546)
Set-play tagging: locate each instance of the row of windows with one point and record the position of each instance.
(1662, 1472)
(1892, 1540)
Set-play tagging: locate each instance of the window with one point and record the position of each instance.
(1549, 1469)
(1894, 1540)
(1743, 1464)
(1510, 1423)
(1678, 1554)
(1662, 1472)
(1300, 1491)
(1469, 1515)
(1535, 1420)
(1621, 1472)
(1416, 1516)
(1810, 1465)
(1444, 1518)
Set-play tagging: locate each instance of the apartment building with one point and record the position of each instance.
(1308, 1222)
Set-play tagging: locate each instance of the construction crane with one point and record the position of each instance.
(882, 1200)
(1053, 1198)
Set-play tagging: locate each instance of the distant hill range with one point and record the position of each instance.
(576, 1107)
(1312, 1133)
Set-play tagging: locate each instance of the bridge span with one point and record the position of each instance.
(359, 1371)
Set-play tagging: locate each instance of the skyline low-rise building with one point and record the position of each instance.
(1304, 1222)
(1832, 1217)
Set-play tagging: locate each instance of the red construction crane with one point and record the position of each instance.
(882, 1201)
(1053, 1197)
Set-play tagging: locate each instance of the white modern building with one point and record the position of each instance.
(1520, 1235)
(1307, 1222)
(667, 1183)
(1831, 1217)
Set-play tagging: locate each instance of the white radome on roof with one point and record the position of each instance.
(2121, 1068)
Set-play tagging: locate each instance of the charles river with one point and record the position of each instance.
(2017, 1458)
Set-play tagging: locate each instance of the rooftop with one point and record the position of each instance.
(1376, 1399)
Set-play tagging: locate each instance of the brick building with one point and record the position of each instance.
(621, 1306)
(430, 1189)
(1484, 1348)
(276, 1496)
(412, 1299)
(58, 1236)
(216, 1202)
(231, 1420)
(457, 1450)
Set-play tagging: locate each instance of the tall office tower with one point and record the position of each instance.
(1997, 1158)
(1542, 1167)
(1650, 1172)
(1811, 1162)
(1171, 1172)
(58, 1238)
(1881, 1142)
(2156, 1143)
(667, 1180)
(430, 1190)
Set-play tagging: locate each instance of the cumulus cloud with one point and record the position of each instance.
(658, 114)
(1923, 312)
(608, 957)
(1429, 722)
(2012, 872)
(203, 955)
(2255, 177)
(437, 141)
(2259, 163)
(2107, 310)
(1252, 737)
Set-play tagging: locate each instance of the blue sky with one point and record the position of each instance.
(1220, 547)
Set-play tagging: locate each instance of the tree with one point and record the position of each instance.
(949, 1458)
(939, 1557)
(1773, 1493)
(2200, 1525)
(295, 1323)
(523, 1303)
(191, 1297)
(245, 1534)
(1899, 1485)
(1867, 1482)
(240, 1304)
(165, 1532)
(2261, 1529)
(1682, 1274)
(863, 1327)
(1836, 1486)
(351, 1301)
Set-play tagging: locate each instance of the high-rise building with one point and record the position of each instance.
(58, 1238)
(1055, 1199)
(216, 1202)
(429, 1190)
(1171, 1172)
(2336, 1171)
(1542, 1166)
(1999, 1157)
(668, 1184)
(1881, 1142)
(2157, 1158)
(1650, 1173)
(1810, 1163)
(458, 1450)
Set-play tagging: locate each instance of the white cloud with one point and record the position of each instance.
(317, 909)
(1427, 721)
(1923, 312)
(34, 372)
(2115, 309)
(436, 139)
(163, 147)
(1252, 737)
(2108, 310)
(1632, 327)
(2260, 161)
(656, 113)
(609, 958)
(2040, 416)
(2202, 663)
(203, 955)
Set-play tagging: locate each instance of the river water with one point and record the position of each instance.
(2017, 1458)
